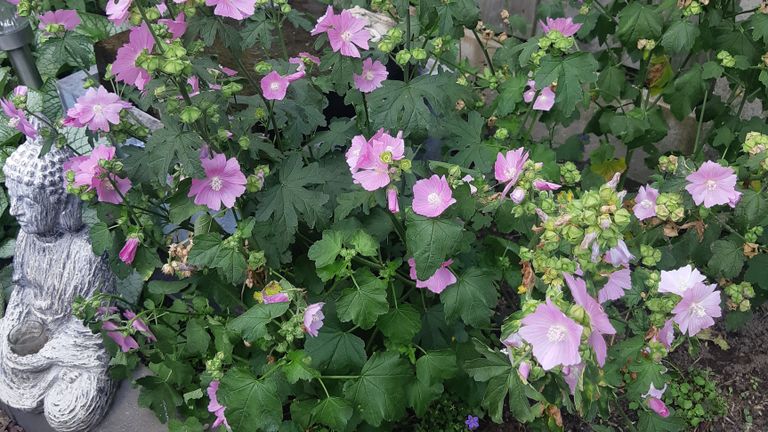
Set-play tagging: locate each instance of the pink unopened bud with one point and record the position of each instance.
(524, 369)
(517, 195)
(658, 407)
(392, 203)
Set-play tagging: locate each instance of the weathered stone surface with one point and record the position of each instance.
(49, 361)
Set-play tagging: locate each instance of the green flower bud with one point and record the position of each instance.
(668, 163)
(395, 33)
(386, 157)
(190, 114)
(755, 143)
(649, 255)
(573, 234)
(591, 199)
(454, 171)
(152, 14)
(160, 91)
(403, 57)
(564, 43)
(419, 53)
(260, 113)
(386, 46)
(262, 68)
(231, 88)
(175, 51)
(570, 173)
(622, 217)
(669, 206)
(694, 8)
(405, 165)
(501, 133)
(726, 59)
(173, 67)
(285, 8)
(578, 314)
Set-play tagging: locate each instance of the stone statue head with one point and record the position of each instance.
(37, 192)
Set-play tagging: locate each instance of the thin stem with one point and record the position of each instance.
(365, 109)
(485, 51)
(407, 39)
(699, 143)
(320, 380)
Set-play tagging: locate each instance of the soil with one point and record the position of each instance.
(7, 424)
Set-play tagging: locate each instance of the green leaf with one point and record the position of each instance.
(377, 393)
(491, 365)
(639, 21)
(253, 323)
(431, 242)
(169, 147)
(8, 248)
(759, 22)
(284, 201)
(752, 208)
(182, 207)
(570, 73)
(259, 29)
(757, 272)
(298, 367)
(324, 251)
(680, 36)
(102, 238)
(73, 49)
(686, 92)
(166, 287)
(333, 412)
(652, 422)
(510, 94)
(496, 392)
(191, 424)
(159, 396)
(363, 303)
(197, 338)
(364, 244)
(96, 27)
(146, 261)
(466, 139)
(205, 250)
(611, 81)
(401, 324)
(334, 350)
(436, 366)
(472, 297)
(727, 258)
(252, 404)
(421, 394)
(416, 105)
(645, 371)
(231, 264)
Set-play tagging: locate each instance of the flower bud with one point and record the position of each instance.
(190, 114)
(501, 133)
(622, 217)
(262, 68)
(405, 165)
(669, 206)
(403, 57)
(419, 53)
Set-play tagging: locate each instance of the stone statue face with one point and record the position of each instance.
(37, 213)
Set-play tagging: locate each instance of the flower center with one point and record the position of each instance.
(216, 183)
(698, 310)
(13, 122)
(556, 333)
(433, 198)
(646, 204)
(98, 109)
(510, 172)
(346, 36)
(369, 76)
(275, 86)
(711, 184)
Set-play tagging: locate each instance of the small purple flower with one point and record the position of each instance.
(313, 318)
(619, 255)
(645, 203)
(472, 422)
(125, 342)
(215, 408)
(698, 308)
(598, 319)
(17, 119)
(713, 184)
(128, 252)
(565, 26)
(509, 167)
(139, 324)
(542, 185)
(544, 102)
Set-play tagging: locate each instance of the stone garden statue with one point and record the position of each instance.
(50, 361)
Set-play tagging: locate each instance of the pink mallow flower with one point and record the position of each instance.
(544, 102)
(235, 9)
(555, 337)
(619, 255)
(618, 282)
(63, 19)
(438, 282)
(224, 182)
(653, 398)
(524, 370)
(128, 252)
(96, 109)
(680, 280)
(125, 342)
(124, 67)
(565, 26)
(275, 298)
(645, 203)
(392, 203)
(374, 73)
(509, 167)
(17, 119)
(118, 10)
(302, 59)
(432, 196)
(215, 408)
(313, 318)
(346, 33)
(177, 27)
(88, 172)
(713, 184)
(274, 86)
(667, 334)
(598, 319)
(542, 185)
(572, 376)
(365, 160)
(697, 309)
(139, 325)
(324, 22)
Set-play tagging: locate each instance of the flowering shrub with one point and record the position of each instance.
(289, 264)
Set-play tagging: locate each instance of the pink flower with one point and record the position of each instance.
(17, 119)
(468, 179)
(695, 312)
(118, 10)
(125, 342)
(128, 252)
(518, 195)
(512, 341)
(346, 33)
(97, 108)
(227, 71)
(658, 407)
(110, 188)
(124, 67)
(392, 203)
(313, 318)
(619, 255)
(432, 196)
(88, 172)
(572, 375)
(680, 280)
(544, 102)
(645, 203)
(508, 167)
(565, 26)
(713, 184)
(235, 9)
(67, 19)
(366, 162)
(542, 185)
(618, 282)
(374, 73)
(20, 90)
(177, 27)
(442, 279)
(667, 334)
(301, 60)
(215, 408)
(598, 319)
(224, 182)
(554, 336)
(324, 22)
(139, 325)
(274, 86)
(275, 298)
(524, 369)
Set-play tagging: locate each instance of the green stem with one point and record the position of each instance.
(699, 143)
(485, 51)
(407, 71)
(320, 380)
(340, 376)
(365, 109)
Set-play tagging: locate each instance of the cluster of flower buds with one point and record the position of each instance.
(668, 164)
(649, 255)
(739, 296)
(391, 39)
(177, 259)
(692, 7)
(404, 56)
(669, 207)
(726, 59)
(215, 366)
(255, 181)
(570, 174)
